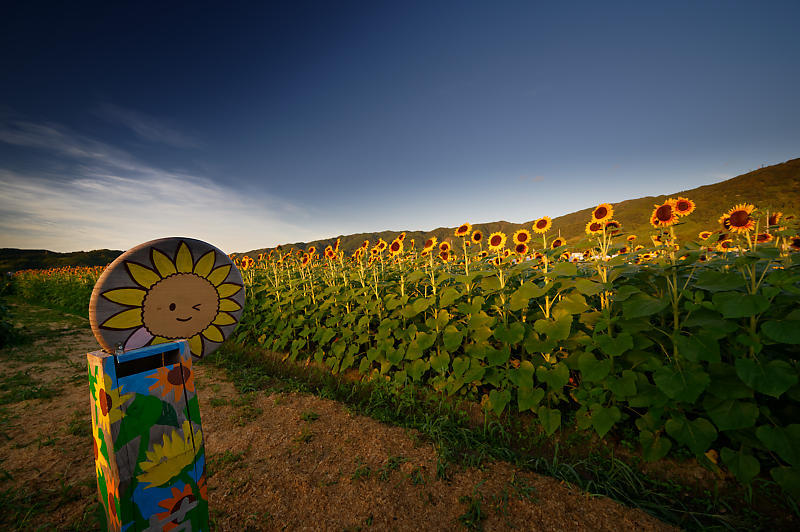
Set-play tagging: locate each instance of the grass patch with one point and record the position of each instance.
(226, 460)
(80, 424)
(21, 386)
(460, 440)
(309, 416)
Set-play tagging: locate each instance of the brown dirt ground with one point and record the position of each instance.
(277, 461)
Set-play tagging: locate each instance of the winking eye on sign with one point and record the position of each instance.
(164, 290)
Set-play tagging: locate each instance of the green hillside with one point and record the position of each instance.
(773, 188)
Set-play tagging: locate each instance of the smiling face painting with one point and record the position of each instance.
(165, 290)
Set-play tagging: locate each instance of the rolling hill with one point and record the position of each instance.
(773, 188)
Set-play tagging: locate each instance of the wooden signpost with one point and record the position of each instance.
(152, 309)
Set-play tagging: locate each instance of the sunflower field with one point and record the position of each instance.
(691, 345)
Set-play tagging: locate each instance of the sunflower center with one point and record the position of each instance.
(523, 237)
(178, 375)
(195, 300)
(496, 240)
(177, 505)
(682, 206)
(105, 402)
(541, 224)
(664, 213)
(739, 218)
(600, 212)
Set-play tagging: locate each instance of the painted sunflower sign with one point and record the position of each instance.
(153, 309)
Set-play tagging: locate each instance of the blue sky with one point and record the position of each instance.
(253, 125)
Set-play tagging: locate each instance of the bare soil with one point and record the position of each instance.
(277, 461)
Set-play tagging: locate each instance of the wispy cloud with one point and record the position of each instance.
(110, 199)
(145, 126)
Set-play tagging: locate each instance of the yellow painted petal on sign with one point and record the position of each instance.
(126, 296)
(183, 260)
(160, 340)
(229, 305)
(145, 277)
(163, 264)
(223, 318)
(219, 274)
(196, 345)
(228, 289)
(213, 333)
(127, 319)
(204, 264)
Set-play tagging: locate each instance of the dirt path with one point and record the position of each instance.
(277, 461)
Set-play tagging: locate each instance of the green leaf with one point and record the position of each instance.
(510, 334)
(623, 386)
(725, 384)
(490, 283)
(460, 366)
(573, 304)
(604, 418)
(789, 479)
(654, 447)
(698, 347)
(565, 269)
(729, 414)
(528, 398)
(738, 305)
(589, 288)
(440, 362)
(522, 295)
(141, 414)
(716, 281)
(550, 418)
(448, 296)
(686, 385)
(614, 346)
(497, 357)
(783, 441)
(498, 400)
(591, 369)
(556, 330)
(783, 331)
(697, 435)
(452, 337)
(744, 466)
(556, 377)
(642, 305)
(771, 378)
(417, 368)
(442, 319)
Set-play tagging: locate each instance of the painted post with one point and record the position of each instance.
(153, 309)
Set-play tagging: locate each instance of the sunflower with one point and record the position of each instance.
(762, 238)
(794, 242)
(664, 215)
(365, 244)
(173, 379)
(722, 236)
(178, 298)
(521, 249)
(312, 250)
(463, 230)
(624, 249)
(542, 225)
(174, 503)
(401, 236)
(724, 245)
(613, 227)
(430, 243)
(381, 244)
(110, 401)
(565, 255)
(424, 252)
(396, 247)
(638, 247)
(684, 206)
(497, 261)
(497, 240)
(168, 458)
(775, 218)
(557, 243)
(444, 246)
(630, 238)
(725, 222)
(100, 448)
(594, 228)
(336, 246)
(522, 236)
(603, 212)
(506, 253)
(444, 255)
(477, 236)
(740, 219)
(307, 258)
(484, 254)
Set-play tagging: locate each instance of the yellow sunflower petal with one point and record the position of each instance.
(229, 305)
(126, 296)
(144, 277)
(213, 333)
(183, 260)
(163, 264)
(204, 264)
(127, 319)
(160, 340)
(223, 319)
(196, 345)
(228, 289)
(219, 274)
